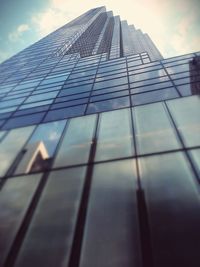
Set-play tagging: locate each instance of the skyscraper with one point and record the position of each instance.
(100, 150)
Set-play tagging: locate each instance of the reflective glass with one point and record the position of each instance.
(10, 103)
(177, 69)
(111, 236)
(147, 75)
(153, 130)
(186, 113)
(114, 135)
(24, 120)
(173, 207)
(64, 113)
(15, 199)
(36, 104)
(109, 83)
(49, 134)
(41, 97)
(76, 90)
(154, 96)
(11, 146)
(111, 104)
(49, 239)
(107, 96)
(75, 147)
(195, 155)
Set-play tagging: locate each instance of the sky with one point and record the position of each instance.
(173, 25)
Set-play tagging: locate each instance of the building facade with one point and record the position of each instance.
(99, 150)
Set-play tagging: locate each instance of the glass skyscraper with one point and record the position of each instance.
(99, 150)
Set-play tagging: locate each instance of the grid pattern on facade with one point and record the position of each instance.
(99, 159)
(92, 85)
(86, 43)
(107, 38)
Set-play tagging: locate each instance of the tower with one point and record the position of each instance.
(99, 150)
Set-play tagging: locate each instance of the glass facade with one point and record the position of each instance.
(110, 133)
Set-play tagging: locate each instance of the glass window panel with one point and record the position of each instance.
(147, 75)
(151, 81)
(39, 97)
(177, 69)
(70, 103)
(75, 147)
(110, 83)
(65, 113)
(77, 82)
(10, 103)
(150, 87)
(154, 96)
(24, 120)
(111, 67)
(134, 63)
(72, 97)
(114, 135)
(110, 89)
(107, 96)
(8, 109)
(173, 206)
(11, 146)
(182, 81)
(112, 230)
(185, 89)
(76, 90)
(15, 199)
(112, 76)
(31, 110)
(195, 155)
(153, 130)
(49, 239)
(186, 113)
(111, 104)
(36, 104)
(2, 134)
(49, 134)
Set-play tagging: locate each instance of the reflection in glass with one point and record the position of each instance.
(111, 235)
(195, 155)
(186, 113)
(49, 134)
(115, 135)
(153, 96)
(153, 130)
(50, 235)
(75, 147)
(174, 209)
(11, 146)
(115, 103)
(15, 199)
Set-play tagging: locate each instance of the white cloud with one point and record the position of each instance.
(17, 34)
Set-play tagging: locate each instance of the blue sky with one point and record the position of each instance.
(174, 25)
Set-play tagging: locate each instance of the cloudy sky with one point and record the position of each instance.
(174, 25)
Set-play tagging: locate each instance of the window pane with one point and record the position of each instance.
(11, 146)
(153, 130)
(195, 155)
(154, 96)
(115, 103)
(15, 199)
(173, 207)
(75, 147)
(49, 134)
(111, 230)
(49, 238)
(115, 135)
(186, 113)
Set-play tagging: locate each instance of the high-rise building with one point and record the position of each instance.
(99, 150)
